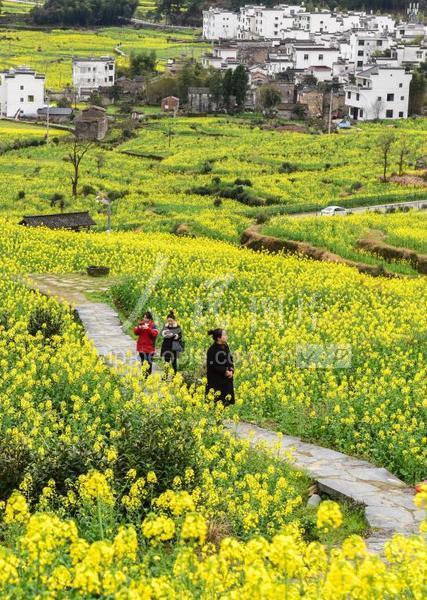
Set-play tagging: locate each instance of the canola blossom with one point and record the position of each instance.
(340, 235)
(325, 352)
(119, 487)
(340, 169)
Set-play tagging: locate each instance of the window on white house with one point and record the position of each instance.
(111, 67)
(401, 115)
(388, 114)
(400, 85)
(360, 63)
(110, 78)
(357, 96)
(320, 56)
(21, 99)
(379, 98)
(21, 87)
(30, 98)
(361, 42)
(360, 53)
(361, 112)
(402, 97)
(305, 56)
(379, 42)
(105, 79)
(348, 94)
(390, 97)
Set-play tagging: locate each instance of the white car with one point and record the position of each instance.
(332, 211)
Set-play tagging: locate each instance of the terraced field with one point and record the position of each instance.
(50, 52)
(215, 175)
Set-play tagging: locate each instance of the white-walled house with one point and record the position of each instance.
(381, 23)
(365, 45)
(319, 22)
(219, 24)
(410, 31)
(410, 54)
(221, 57)
(21, 92)
(278, 63)
(304, 56)
(380, 92)
(91, 73)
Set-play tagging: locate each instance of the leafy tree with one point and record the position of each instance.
(417, 89)
(142, 63)
(215, 86)
(240, 85)
(160, 88)
(227, 86)
(269, 96)
(83, 12)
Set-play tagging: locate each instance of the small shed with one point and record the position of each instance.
(170, 104)
(92, 123)
(56, 114)
(74, 221)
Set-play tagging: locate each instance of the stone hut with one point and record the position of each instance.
(170, 104)
(199, 100)
(92, 123)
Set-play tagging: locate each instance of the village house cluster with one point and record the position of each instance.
(369, 57)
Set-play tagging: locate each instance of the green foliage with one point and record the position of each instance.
(417, 90)
(83, 13)
(269, 96)
(47, 322)
(142, 63)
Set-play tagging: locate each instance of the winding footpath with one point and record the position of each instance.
(388, 501)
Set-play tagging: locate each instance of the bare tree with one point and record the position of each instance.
(75, 157)
(377, 108)
(385, 144)
(403, 151)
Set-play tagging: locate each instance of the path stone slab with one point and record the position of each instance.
(388, 501)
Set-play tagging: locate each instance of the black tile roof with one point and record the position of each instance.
(73, 220)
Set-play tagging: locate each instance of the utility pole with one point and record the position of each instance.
(47, 118)
(106, 201)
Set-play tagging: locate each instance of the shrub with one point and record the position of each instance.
(246, 182)
(261, 218)
(21, 194)
(287, 167)
(217, 202)
(206, 167)
(88, 189)
(44, 320)
(356, 186)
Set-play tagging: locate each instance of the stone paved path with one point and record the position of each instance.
(389, 502)
(100, 321)
(389, 506)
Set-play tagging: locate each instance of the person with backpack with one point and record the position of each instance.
(173, 343)
(145, 345)
(220, 368)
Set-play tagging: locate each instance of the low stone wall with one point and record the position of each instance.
(256, 241)
(389, 253)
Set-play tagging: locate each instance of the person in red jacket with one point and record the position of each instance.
(147, 333)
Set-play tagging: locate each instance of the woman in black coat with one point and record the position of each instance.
(220, 368)
(172, 341)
